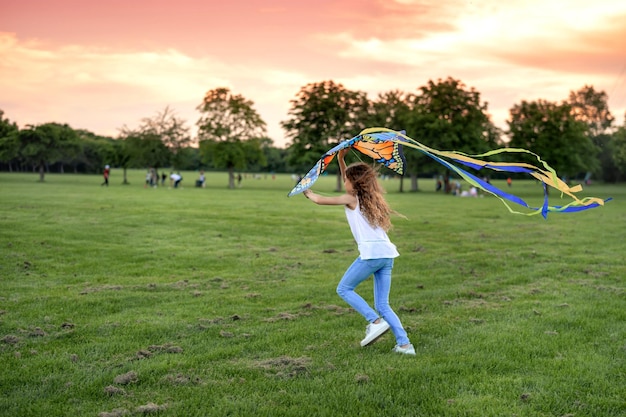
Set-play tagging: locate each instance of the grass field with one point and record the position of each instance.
(215, 302)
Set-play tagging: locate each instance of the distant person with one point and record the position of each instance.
(154, 178)
(368, 216)
(473, 192)
(148, 179)
(457, 188)
(446, 184)
(509, 181)
(176, 178)
(105, 174)
(239, 178)
(163, 178)
(200, 181)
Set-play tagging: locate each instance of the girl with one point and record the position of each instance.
(368, 216)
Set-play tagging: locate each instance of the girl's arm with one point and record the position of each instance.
(342, 163)
(342, 200)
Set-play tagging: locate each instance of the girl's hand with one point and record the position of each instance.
(342, 153)
(310, 195)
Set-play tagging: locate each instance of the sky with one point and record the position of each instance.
(104, 65)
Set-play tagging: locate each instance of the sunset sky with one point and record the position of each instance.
(100, 65)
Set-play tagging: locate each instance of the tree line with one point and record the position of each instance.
(575, 136)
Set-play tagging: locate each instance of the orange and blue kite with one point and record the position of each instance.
(385, 147)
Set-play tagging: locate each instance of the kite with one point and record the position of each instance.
(385, 147)
(379, 147)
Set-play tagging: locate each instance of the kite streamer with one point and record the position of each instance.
(385, 147)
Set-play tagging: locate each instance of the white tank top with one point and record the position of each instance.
(373, 242)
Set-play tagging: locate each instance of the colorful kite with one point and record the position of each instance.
(385, 147)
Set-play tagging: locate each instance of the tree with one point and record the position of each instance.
(591, 108)
(122, 157)
(97, 151)
(171, 130)
(322, 115)
(608, 157)
(188, 159)
(157, 141)
(391, 110)
(9, 144)
(551, 131)
(276, 158)
(448, 116)
(619, 144)
(47, 143)
(230, 132)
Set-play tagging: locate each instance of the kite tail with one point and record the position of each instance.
(544, 173)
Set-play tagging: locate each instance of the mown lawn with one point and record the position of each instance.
(212, 302)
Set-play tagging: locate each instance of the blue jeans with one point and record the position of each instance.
(358, 272)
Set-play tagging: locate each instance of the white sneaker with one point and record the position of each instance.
(409, 350)
(374, 331)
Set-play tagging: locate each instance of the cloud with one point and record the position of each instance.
(120, 88)
(512, 51)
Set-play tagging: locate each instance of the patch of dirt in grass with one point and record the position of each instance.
(127, 378)
(595, 286)
(10, 339)
(181, 379)
(152, 349)
(411, 309)
(143, 354)
(285, 367)
(181, 284)
(206, 323)
(216, 320)
(37, 332)
(285, 316)
(331, 307)
(281, 316)
(362, 379)
(167, 348)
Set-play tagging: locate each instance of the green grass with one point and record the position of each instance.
(213, 302)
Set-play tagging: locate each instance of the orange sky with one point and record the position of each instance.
(100, 65)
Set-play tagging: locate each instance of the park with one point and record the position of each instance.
(125, 300)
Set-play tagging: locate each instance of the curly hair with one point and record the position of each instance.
(370, 194)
